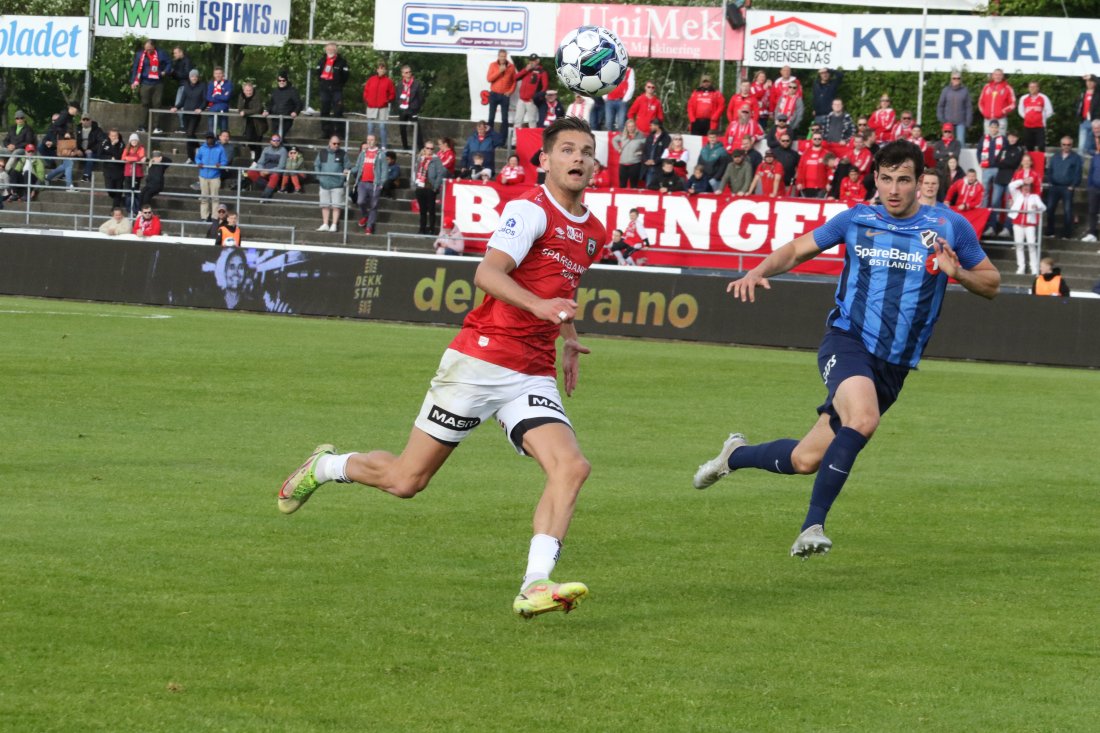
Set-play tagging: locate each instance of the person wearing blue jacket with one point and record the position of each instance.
(147, 74)
(483, 141)
(1064, 176)
(219, 91)
(210, 158)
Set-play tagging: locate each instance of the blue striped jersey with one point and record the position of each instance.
(891, 289)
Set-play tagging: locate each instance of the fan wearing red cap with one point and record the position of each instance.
(450, 241)
(26, 171)
(948, 145)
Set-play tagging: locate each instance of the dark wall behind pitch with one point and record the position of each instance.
(623, 302)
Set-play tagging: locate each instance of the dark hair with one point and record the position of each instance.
(564, 124)
(390, 155)
(894, 154)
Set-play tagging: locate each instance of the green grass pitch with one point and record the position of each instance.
(148, 583)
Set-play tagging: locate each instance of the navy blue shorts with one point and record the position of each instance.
(842, 355)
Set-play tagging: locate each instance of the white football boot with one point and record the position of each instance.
(718, 466)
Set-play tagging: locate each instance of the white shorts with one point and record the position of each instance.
(467, 391)
(331, 197)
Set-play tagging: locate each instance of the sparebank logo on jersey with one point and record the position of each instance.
(501, 25)
(889, 257)
(450, 420)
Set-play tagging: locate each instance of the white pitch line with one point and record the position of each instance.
(155, 317)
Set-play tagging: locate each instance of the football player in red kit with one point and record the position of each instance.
(501, 365)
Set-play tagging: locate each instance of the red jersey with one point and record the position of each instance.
(1034, 110)
(552, 249)
(1035, 175)
(882, 121)
(634, 233)
(147, 227)
(679, 156)
(997, 100)
(780, 85)
(447, 158)
(644, 110)
(705, 104)
(860, 159)
(962, 193)
(511, 174)
(738, 101)
(769, 174)
(369, 156)
(852, 192)
(812, 171)
(625, 86)
(763, 96)
(736, 131)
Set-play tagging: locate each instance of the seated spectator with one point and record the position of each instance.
(446, 155)
(68, 152)
(393, 174)
(1024, 214)
(947, 145)
(697, 182)
(601, 176)
(851, 188)
(228, 234)
(832, 183)
(620, 250)
(950, 172)
(118, 223)
(27, 173)
(478, 171)
(89, 137)
(5, 183)
(741, 127)
(512, 174)
(737, 177)
(483, 141)
(268, 168)
(714, 158)
(450, 240)
(1050, 280)
(293, 179)
(966, 194)
(768, 180)
(655, 143)
(154, 178)
(20, 135)
(668, 180)
(147, 224)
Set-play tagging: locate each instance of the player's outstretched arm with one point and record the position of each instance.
(492, 276)
(570, 356)
(791, 254)
(982, 279)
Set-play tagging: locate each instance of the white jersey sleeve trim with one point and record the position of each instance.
(521, 223)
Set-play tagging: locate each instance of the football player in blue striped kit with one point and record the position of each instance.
(897, 260)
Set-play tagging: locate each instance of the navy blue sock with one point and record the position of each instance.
(774, 456)
(835, 466)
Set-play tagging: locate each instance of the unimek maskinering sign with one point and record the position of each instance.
(239, 22)
(1059, 46)
(37, 42)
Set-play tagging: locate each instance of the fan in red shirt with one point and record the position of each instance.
(965, 193)
(647, 108)
(147, 224)
(883, 120)
(859, 155)
(761, 89)
(601, 177)
(852, 190)
(769, 177)
(786, 79)
(997, 99)
(501, 366)
(704, 107)
(511, 174)
(745, 98)
(446, 155)
(744, 125)
(812, 178)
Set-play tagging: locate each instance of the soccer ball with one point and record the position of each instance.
(591, 60)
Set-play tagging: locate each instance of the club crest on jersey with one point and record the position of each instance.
(928, 238)
(590, 248)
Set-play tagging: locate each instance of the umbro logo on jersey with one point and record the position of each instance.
(535, 400)
(450, 420)
(928, 238)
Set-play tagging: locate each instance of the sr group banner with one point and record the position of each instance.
(241, 22)
(36, 42)
(457, 26)
(1059, 46)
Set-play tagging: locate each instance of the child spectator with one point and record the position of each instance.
(697, 182)
(478, 170)
(293, 178)
(446, 154)
(635, 233)
(228, 234)
(1024, 214)
(1050, 280)
(393, 173)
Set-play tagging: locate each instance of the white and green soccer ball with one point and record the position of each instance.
(591, 60)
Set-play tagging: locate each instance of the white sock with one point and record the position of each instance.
(332, 468)
(541, 558)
